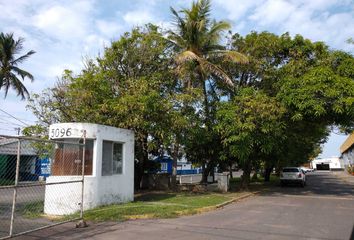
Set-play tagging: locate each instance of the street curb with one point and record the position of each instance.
(236, 199)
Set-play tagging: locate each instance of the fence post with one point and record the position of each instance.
(15, 187)
(82, 222)
(83, 176)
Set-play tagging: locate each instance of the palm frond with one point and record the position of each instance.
(198, 38)
(219, 27)
(179, 22)
(206, 66)
(9, 71)
(175, 39)
(187, 56)
(204, 8)
(22, 73)
(18, 45)
(17, 85)
(230, 56)
(22, 58)
(210, 48)
(216, 71)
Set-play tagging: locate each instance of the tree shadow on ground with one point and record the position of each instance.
(153, 196)
(323, 184)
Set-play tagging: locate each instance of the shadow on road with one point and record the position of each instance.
(318, 183)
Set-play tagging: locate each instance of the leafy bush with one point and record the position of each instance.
(350, 169)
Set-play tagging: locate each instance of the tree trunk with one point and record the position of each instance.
(207, 172)
(230, 170)
(204, 174)
(142, 156)
(246, 176)
(174, 167)
(207, 120)
(267, 172)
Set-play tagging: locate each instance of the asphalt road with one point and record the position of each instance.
(25, 195)
(323, 210)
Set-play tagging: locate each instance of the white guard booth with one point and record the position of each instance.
(109, 167)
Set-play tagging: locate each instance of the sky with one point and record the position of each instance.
(64, 32)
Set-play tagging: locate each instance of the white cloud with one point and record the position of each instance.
(109, 28)
(331, 21)
(273, 12)
(63, 22)
(138, 17)
(320, 5)
(93, 44)
(236, 9)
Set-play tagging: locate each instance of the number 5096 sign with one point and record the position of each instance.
(60, 132)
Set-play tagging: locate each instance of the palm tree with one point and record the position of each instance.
(9, 70)
(197, 40)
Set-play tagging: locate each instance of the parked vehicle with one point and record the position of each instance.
(292, 175)
(306, 170)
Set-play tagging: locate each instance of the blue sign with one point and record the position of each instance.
(45, 167)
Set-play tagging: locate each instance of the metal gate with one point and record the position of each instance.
(32, 171)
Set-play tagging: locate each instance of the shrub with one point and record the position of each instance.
(350, 169)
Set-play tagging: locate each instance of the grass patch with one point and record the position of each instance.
(32, 210)
(159, 205)
(6, 182)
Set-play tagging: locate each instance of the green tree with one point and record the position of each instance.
(250, 126)
(9, 70)
(310, 81)
(130, 86)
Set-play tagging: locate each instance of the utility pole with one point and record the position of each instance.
(18, 131)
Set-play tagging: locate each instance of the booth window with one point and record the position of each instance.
(68, 157)
(112, 158)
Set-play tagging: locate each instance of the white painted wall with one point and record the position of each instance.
(184, 166)
(61, 199)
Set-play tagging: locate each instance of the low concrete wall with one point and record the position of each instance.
(65, 198)
(159, 181)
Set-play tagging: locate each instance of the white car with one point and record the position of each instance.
(292, 175)
(306, 170)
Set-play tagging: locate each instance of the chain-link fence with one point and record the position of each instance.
(32, 172)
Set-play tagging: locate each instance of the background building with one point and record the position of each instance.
(332, 163)
(347, 151)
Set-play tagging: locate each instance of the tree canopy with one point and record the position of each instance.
(261, 100)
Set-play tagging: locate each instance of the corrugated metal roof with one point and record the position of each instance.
(5, 141)
(347, 143)
(8, 146)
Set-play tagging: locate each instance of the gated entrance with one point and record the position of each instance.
(25, 203)
(322, 166)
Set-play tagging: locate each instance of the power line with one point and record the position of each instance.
(6, 129)
(14, 117)
(11, 123)
(8, 120)
(5, 116)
